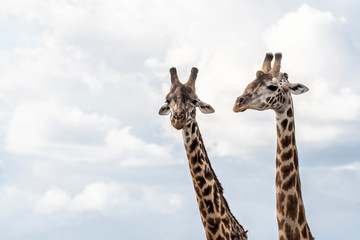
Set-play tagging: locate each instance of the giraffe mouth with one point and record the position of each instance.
(177, 124)
(240, 104)
(239, 108)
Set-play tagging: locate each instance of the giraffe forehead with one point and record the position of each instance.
(283, 83)
(254, 85)
(181, 93)
(282, 79)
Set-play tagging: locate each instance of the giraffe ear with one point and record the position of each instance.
(205, 108)
(165, 109)
(297, 88)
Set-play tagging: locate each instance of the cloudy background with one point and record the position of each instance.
(84, 154)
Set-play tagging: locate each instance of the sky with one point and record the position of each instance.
(85, 155)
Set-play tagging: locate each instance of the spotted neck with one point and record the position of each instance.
(291, 218)
(218, 221)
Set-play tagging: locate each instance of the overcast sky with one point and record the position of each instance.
(85, 155)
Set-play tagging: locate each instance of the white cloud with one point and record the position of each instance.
(97, 196)
(14, 200)
(53, 130)
(331, 104)
(306, 33)
(94, 197)
(314, 45)
(350, 167)
(319, 133)
(53, 200)
(94, 84)
(107, 198)
(164, 203)
(34, 126)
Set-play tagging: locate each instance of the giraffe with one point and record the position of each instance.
(181, 102)
(272, 90)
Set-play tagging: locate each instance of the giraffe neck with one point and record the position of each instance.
(218, 221)
(291, 218)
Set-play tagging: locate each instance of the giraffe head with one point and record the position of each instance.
(271, 89)
(181, 101)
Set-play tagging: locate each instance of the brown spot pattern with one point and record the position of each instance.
(291, 234)
(197, 170)
(278, 131)
(209, 206)
(281, 224)
(298, 188)
(280, 201)
(284, 124)
(207, 191)
(202, 209)
(200, 181)
(287, 169)
(208, 174)
(285, 142)
(278, 180)
(293, 141)
(304, 232)
(296, 160)
(193, 145)
(287, 155)
(301, 217)
(292, 206)
(290, 183)
(220, 238)
(198, 192)
(213, 224)
(289, 112)
(291, 126)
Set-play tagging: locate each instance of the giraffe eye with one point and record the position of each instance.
(272, 87)
(167, 101)
(194, 102)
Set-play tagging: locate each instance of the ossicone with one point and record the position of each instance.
(192, 78)
(174, 77)
(259, 74)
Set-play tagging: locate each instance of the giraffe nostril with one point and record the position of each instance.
(178, 116)
(240, 100)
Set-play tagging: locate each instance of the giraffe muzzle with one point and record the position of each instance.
(177, 124)
(240, 104)
(177, 120)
